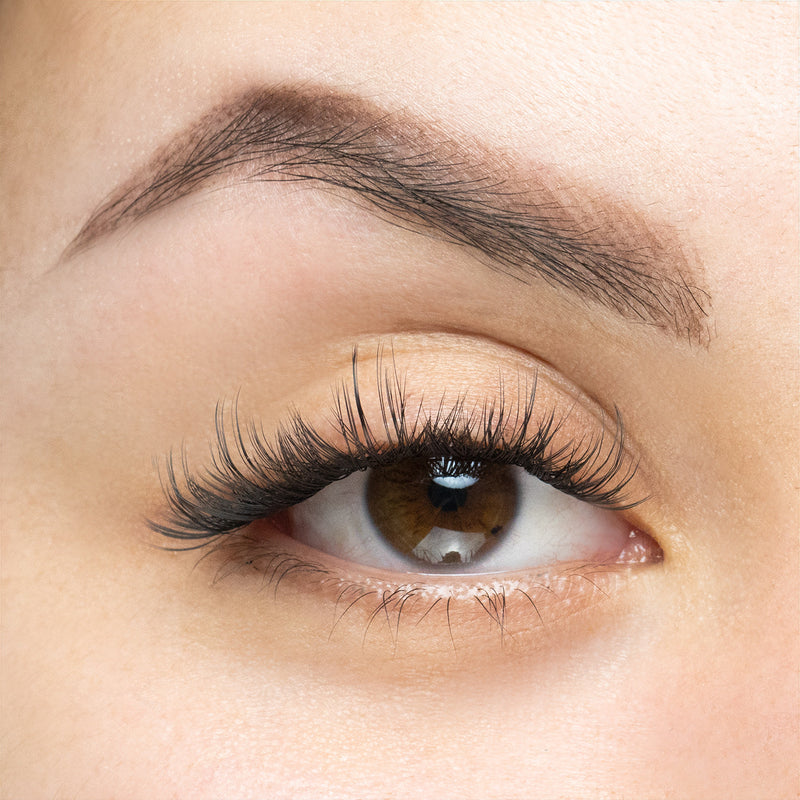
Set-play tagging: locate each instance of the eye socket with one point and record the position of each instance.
(442, 515)
(508, 479)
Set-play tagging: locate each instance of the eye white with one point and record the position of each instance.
(548, 527)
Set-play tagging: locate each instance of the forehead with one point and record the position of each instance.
(576, 81)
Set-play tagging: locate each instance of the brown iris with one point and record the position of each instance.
(442, 512)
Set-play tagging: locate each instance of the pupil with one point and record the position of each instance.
(442, 513)
(446, 499)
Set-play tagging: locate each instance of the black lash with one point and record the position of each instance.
(251, 478)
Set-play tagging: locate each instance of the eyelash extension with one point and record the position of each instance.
(251, 478)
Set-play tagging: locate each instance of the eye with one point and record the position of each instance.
(505, 497)
(445, 515)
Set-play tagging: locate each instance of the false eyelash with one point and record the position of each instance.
(250, 478)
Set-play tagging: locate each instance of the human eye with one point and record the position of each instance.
(412, 495)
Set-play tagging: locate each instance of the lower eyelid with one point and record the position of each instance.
(462, 613)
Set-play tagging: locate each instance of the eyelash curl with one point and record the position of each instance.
(251, 477)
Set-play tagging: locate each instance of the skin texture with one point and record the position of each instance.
(127, 671)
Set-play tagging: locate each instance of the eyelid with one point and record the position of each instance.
(466, 381)
(387, 615)
(384, 411)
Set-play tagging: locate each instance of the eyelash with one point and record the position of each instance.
(250, 479)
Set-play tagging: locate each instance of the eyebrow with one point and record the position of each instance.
(528, 223)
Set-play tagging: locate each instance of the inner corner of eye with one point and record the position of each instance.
(451, 515)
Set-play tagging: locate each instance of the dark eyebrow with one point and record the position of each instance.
(419, 176)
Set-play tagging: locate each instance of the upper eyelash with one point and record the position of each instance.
(250, 478)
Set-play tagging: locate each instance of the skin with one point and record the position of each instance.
(127, 671)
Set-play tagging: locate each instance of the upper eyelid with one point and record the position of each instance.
(245, 464)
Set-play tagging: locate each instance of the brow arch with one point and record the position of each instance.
(526, 224)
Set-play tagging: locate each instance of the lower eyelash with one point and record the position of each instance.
(513, 608)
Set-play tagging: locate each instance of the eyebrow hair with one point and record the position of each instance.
(421, 177)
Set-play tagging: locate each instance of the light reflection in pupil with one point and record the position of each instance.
(445, 512)
(446, 499)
